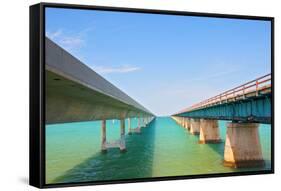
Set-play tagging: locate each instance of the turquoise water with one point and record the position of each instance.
(162, 149)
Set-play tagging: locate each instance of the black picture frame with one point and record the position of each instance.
(37, 92)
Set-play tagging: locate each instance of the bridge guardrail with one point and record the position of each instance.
(254, 86)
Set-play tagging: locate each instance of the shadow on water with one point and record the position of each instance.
(135, 163)
(218, 148)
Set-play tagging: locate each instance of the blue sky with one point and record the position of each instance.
(165, 62)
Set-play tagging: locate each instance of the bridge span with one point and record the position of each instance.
(74, 93)
(245, 106)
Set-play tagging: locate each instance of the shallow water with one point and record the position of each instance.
(162, 149)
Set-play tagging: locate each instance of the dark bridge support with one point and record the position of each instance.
(209, 131)
(142, 122)
(182, 121)
(242, 146)
(122, 144)
(187, 123)
(103, 136)
(195, 126)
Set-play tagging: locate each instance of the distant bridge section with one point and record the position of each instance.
(249, 102)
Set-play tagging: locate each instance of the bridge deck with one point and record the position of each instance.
(249, 102)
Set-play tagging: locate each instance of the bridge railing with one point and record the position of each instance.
(251, 87)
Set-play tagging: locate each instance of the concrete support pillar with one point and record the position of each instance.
(103, 136)
(187, 123)
(137, 129)
(177, 119)
(195, 126)
(129, 126)
(139, 123)
(122, 135)
(146, 120)
(182, 121)
(242, 146)
(209, 131)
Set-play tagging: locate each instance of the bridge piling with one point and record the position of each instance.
(139, 122)
(209, 131)
(183, 122)
(136, 129)
(187, 123)
(180, 121)
(242, 146)
(103, 136)
(120, 143)
(177, 119)
(129, 126)
(195, 126)
(122, 136)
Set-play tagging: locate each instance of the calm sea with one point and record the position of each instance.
(162, 149)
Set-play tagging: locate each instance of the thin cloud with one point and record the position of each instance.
(119, 69)
(55, 34)
(72, 42)
(69, 42)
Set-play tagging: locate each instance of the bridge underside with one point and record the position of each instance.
(68, 101)
(254, 110)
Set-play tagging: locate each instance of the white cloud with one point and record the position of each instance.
(67, 41)
(119, 69)
(71, 42)
(55, 34)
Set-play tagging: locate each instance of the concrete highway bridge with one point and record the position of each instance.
(74, 92)
(246, 106)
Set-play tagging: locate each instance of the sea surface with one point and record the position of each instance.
(162, 149)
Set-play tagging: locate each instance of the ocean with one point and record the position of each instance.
(162, 149)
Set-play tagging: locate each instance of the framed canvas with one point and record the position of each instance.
(122, 95)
